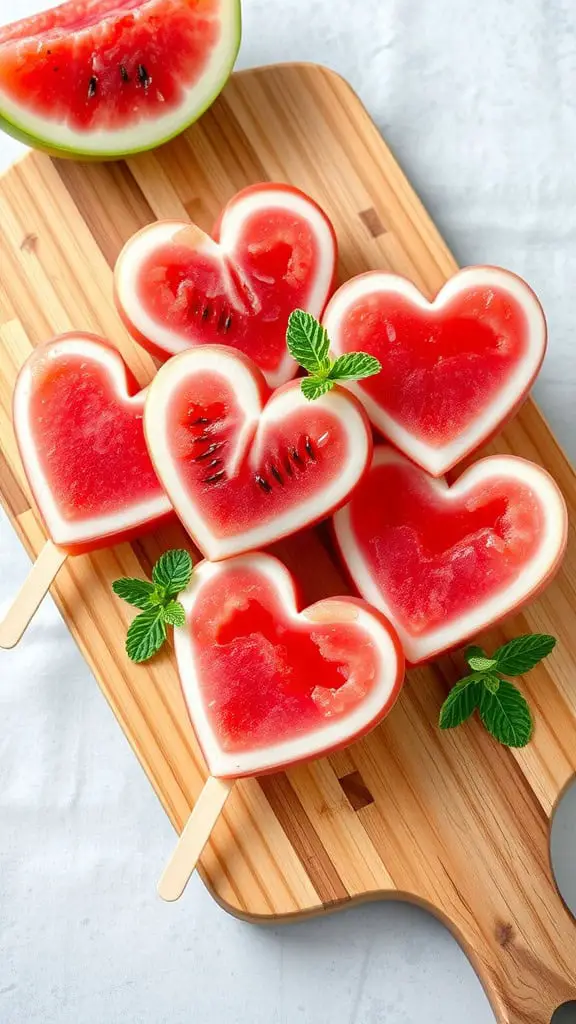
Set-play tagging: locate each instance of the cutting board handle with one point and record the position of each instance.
(526, 981)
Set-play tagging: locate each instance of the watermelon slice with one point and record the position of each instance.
(244, 466)
(105, 78)
(454, 370)
(267, 685)
(443, 563)
(78, 421)
(274, 250)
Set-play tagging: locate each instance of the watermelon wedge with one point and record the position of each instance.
(268, 685)
(443, 563)
(105, 78)
(244, 466)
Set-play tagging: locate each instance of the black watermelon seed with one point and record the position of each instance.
(297, 457)
(263, 483)
(288, 467)
(201, 438)
(310, 449)
(225, 321)
(201, 419)
(214, 478)
(209, 451)
(124, 73)
(277, 474)
(92, 87)
(206, 312)
(143, 76)
(215, 462)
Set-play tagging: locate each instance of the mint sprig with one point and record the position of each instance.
(309, 344)
(502, 707)
(147, 632)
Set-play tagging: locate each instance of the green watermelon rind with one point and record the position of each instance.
(49, 146)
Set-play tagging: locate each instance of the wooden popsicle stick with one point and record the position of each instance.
(194, 837)
(35, 587)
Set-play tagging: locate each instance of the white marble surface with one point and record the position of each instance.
(479, 103)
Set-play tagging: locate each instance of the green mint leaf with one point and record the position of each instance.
(492, 682)
(172, 572)
(460, 703)
(146, 635)
(506, 715)
(523, 653)
(354, 366)
(137, 592)
(174, 614)
(481, 663)
(474, 652)
(315, 387)
(308, 342)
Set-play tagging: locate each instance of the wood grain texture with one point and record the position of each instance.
(451, 821)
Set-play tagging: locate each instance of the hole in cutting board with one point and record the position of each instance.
(565, 1014)
(562, 846)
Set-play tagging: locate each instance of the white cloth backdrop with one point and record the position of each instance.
(478, 100)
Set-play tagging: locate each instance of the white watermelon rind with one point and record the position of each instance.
(60, 141)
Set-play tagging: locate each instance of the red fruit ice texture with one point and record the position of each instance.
(244, 466)
(454, 370)
(78, 421)
(273, 251)
(443, 563)
(268, 685)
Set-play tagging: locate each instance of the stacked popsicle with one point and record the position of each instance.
(245, 454)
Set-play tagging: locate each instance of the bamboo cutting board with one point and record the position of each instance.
(451, 821)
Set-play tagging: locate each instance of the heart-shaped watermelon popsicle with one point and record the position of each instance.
(268, 685)
(244, 466)
(453, 370)
(78, 422)
(272, 251)
(443, 563)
